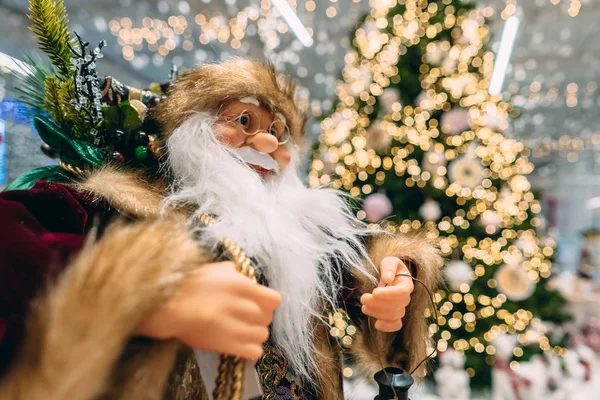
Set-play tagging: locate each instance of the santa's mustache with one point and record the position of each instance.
(254, 157)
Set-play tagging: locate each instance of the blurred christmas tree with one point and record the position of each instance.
(417, 134)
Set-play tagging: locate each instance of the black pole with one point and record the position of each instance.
(400, 383)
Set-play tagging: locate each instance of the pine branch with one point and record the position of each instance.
(52, 102)
(80, 125)
(50, 25)
(31, 85)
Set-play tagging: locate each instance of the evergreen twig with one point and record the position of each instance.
(50, 25)
(30, 85)
(52, 99)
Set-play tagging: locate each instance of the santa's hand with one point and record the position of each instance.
(387, 304)
(217, 309)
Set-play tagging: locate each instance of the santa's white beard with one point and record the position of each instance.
(302, 238)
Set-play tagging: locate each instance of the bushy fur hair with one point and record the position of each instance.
(209, 86)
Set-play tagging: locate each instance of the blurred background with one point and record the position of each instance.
(526, 70)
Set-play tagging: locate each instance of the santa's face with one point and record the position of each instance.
(245, 122)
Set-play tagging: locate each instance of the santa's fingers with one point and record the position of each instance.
(393, 293)
(388, 269)
(383, 312)
(251, 312)
(253, 334)
(387, 304)
(388, 326)
(265, 297)
(365, 298)
(392, 305)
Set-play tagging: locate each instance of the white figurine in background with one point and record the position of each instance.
(534, 372)
(579, 381)
(589, 263)
(451, 378)
(502, 389)
(554, 370)
(508, 384)
(591, 362)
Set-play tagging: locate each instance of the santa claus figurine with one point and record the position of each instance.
(110, 274)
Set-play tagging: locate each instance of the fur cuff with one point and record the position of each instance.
(407, 347)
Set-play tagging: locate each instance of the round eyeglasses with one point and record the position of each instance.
(250, 125)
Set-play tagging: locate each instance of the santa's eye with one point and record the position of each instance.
(244, 119)
(274, 132)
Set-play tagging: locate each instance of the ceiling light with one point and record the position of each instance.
(294, 22)
(509, 34)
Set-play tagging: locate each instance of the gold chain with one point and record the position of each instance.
(231, 369)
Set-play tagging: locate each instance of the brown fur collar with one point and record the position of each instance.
(130, 192)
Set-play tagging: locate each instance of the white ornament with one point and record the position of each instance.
(466, 170)
(341, 126)
(434, 54)
(455, 121)
(457, 273)
(496, 122)
(490, 220)
(378, 139)
(360, 83)
(504, 344)
(430, 210)
(451, 378)
(512, 280)
(376, 207)
(520, 183)
(423, 96)
(388, 98)
(527, 246)
(577, 378)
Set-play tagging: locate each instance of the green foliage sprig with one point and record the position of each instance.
(50, 25)
(30, 85)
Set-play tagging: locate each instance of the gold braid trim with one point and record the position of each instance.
(238, 375)
(231, 369)
(220, 390)
(71, 168)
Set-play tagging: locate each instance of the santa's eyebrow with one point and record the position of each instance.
(281, 117)
(250, 100)
(260, 103)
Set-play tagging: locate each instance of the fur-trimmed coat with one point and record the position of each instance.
(78, 342)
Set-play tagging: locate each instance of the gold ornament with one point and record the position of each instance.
(466, 171)
(513, 281)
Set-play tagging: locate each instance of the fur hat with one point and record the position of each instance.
(209, 86)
